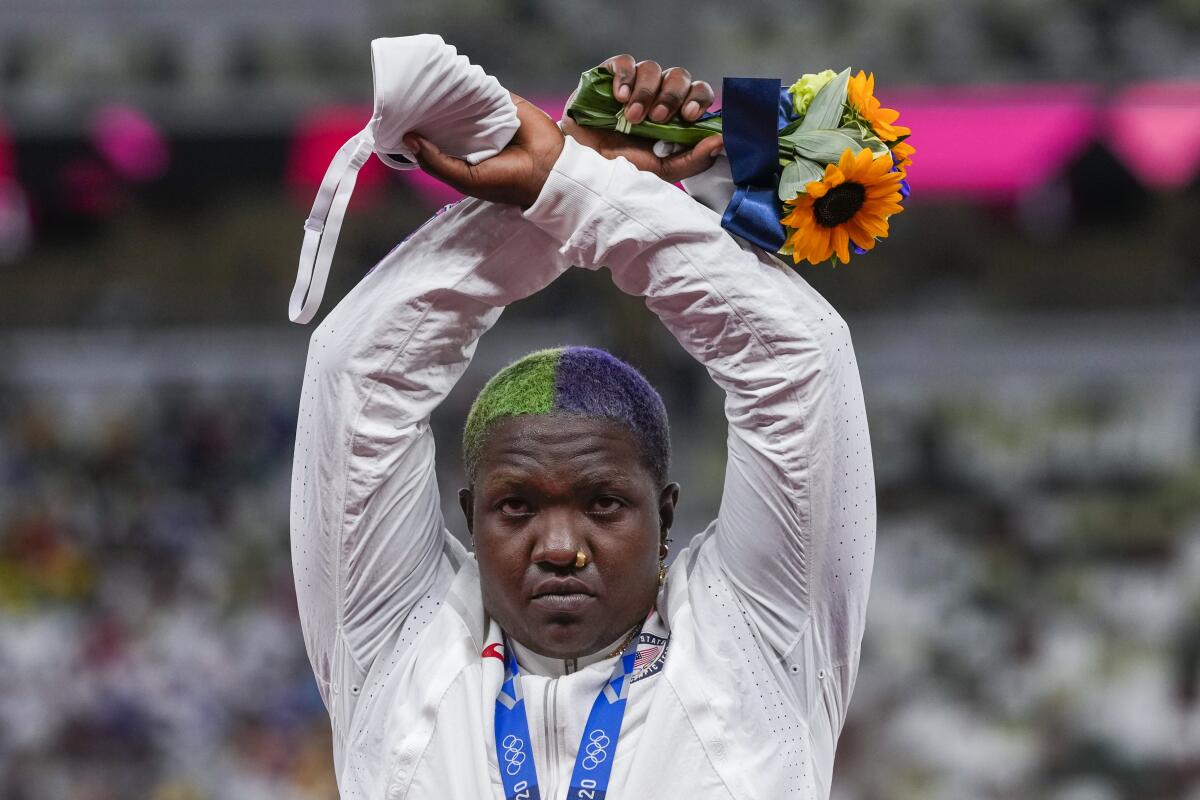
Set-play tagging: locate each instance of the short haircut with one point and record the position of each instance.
(572, 380)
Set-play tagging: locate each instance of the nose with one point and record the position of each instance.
(556, 543)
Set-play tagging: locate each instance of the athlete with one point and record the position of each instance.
(563, 658)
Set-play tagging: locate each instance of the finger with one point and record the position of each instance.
(699, 97)
(691, 162)
(623, 68)
(448, 169)
(646, 81)
(674, 88)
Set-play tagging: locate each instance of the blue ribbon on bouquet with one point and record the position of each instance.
(753, 110)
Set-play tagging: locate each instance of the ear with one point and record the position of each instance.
(467, 500)
(667, 499)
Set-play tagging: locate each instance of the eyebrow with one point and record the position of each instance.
(505, 477)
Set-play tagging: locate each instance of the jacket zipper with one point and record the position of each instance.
(550, 729)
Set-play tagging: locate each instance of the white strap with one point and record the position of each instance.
(323, 225)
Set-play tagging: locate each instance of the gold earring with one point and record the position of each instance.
(580, 559)
(664, 550)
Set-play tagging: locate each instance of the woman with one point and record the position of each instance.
(561, 658)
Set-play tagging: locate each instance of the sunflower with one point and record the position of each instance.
(903, 152)
(861, 94)
(852, 201)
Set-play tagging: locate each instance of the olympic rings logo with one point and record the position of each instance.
(596, 749)
(514, 754)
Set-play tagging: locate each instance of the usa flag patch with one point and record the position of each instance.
(651, 655)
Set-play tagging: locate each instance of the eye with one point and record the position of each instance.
(606, 504)
(513, 507)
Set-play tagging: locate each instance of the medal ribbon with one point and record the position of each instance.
(597, 746)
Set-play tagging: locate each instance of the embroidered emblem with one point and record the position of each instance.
(651, 655)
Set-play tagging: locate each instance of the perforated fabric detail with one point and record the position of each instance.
(414, 625)
(855, 549)
(761, 687)
(306, 564)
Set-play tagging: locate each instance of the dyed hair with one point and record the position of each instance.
(572, 380)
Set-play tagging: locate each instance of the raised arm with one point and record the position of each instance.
(795, 533)
(369, 545)
(795, 536)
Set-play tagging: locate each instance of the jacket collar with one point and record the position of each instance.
(557, 667)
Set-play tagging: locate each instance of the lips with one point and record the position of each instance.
(562, 602)
(561, 587)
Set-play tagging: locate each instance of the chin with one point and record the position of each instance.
(564, 638)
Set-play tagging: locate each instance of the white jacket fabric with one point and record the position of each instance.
(747, 664)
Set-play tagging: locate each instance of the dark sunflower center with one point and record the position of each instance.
(839, 204)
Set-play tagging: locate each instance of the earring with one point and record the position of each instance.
(664, 550)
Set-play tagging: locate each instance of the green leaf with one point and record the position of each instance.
(791, 127)
(865, 139)
(823, 146)
(797, 175)
(826, 109)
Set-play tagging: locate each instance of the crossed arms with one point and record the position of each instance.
(795, 532)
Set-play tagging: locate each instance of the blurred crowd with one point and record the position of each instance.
(1034, 625)
(149, 640)
(1031, 368)
(187, 61)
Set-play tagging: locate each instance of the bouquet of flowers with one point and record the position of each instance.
(819, 166)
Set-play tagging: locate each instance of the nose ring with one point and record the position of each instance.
(580, 559)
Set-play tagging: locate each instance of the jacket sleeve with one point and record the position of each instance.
(369, 546)
(795, 533)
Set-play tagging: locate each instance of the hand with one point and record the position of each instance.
(514, 175)
(645, 85)
(667, 93)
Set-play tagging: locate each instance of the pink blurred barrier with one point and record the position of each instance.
(1155, 129)
(976, 142)
(993, 142)
(319, 135)
(8, 165)
(130, 142)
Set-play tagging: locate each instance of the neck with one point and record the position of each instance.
(553, 667)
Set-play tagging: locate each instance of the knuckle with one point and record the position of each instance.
(677, 73)
(649, 67)
(622, 64)
(672, 95)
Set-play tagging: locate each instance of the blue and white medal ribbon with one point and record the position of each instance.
(597, 747)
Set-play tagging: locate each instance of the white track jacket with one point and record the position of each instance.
(747, 666)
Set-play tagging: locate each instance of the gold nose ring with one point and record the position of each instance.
(580, 559)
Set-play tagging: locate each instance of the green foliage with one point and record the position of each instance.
(796, 175)
(826, 109)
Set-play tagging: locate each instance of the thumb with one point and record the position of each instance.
(451, 170)
(692, 162)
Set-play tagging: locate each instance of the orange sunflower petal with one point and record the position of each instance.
(879, 167)
(820, 247)
(848, 165)
(841, 244)
(872, 225)
(859, 234)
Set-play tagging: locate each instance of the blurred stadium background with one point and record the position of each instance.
(1029, 339)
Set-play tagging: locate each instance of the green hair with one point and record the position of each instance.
(572, 380)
